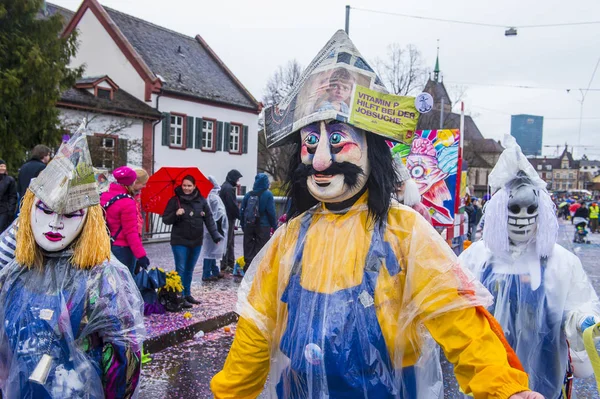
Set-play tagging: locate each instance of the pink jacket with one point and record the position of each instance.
(123, 214)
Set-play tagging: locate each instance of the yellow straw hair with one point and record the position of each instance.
(90, 249)
(28, 253)
(142, 175)
(93, 245)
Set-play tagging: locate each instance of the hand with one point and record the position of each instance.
(527, 395)
(590, 321)
(218, 240)
(180, 212)
(144, 262)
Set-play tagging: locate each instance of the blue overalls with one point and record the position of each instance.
(334, 341)
(528, 320)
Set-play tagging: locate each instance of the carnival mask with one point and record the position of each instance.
(335, 156)
(53, 231)
(523, 203)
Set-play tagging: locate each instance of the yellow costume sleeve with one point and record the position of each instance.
(247, 365)
(447, 300)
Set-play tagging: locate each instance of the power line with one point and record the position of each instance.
(454, 21)
(516, 86)
(545, 118)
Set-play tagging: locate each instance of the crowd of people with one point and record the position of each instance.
(351, 294)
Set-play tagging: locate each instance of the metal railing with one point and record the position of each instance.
(154, 230)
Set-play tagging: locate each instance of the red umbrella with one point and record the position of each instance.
(161, 187)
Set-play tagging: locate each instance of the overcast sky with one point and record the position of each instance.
(254, 37)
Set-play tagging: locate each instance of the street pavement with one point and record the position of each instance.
(184, 371)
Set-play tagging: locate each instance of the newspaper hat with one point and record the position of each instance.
(340, 85)
(68, 184)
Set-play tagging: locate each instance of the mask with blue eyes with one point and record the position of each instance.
(54, 231)
(337, 153)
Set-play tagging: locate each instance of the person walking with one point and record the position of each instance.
(594, 211)
(140, 183)
(188, 212)
(40, 156)
(258, 217)
(212, 251)
(228, 196)
(8, 197)
(121, 218)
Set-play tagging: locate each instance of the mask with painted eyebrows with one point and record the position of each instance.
(335, 160)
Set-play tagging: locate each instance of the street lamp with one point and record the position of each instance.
(510, 32)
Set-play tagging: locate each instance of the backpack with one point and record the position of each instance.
(252, 212)
(107, 205)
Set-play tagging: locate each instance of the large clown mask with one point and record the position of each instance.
(336, 158)
(54, 231)
(523, 203)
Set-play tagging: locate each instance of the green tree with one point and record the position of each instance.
(34, 70)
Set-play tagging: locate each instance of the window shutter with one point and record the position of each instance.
(166, 126)
(190, 132)
(219, 136)
(199, 134)
(245, 140)
(227, 132)
(121, 160)
(96, 152)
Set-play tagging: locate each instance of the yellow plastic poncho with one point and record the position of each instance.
(335, 306)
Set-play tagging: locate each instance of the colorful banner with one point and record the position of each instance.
(432, 160)
(394, 116)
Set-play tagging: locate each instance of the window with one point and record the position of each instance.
(104, 93)
(570, 176)
(548, 167)
(208, 138)
(107, 147)
(539, 167)
(176, 136)
(235, 136)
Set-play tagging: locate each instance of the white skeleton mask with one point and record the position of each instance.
(523, 204)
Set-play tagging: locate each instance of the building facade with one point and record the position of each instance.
(528, 130)
(560, 174)
(191, 110)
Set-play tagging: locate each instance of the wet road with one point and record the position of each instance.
(184, 371)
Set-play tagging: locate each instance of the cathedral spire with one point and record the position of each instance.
(436, 71)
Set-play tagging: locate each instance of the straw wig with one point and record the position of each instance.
(91, 248)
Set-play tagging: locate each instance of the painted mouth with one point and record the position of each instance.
(521, 222)
(322, 180)
(54, 237)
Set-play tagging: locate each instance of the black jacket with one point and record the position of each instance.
(228, 195)
(28, 171)
(582, 212)
(188, 229)
(8, 195)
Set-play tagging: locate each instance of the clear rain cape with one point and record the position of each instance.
(89, 321)
(537, 322)
(343, 308)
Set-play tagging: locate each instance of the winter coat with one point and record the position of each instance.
(8, 195)
(122, 214)
(228, 194)
(266, 203)
(188, 229)
(28, 171)
(582, 212)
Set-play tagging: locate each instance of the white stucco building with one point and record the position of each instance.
(168, 93)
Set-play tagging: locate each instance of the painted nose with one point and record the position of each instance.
(322, 159)
(57, 222)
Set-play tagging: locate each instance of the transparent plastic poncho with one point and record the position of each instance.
(88, 322)
(211, 250)
(336, 305)
(540, 304)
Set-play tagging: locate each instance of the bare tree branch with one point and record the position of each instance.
(402, 70)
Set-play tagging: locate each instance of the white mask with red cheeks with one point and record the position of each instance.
(325, 143)
(54, 231)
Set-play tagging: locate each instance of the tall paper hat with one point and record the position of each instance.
(67, 184)
(511, 162)
(340, 85)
